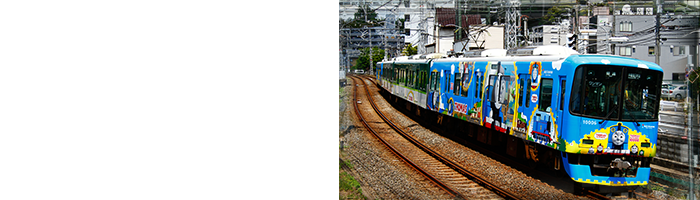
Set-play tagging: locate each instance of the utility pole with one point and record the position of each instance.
(691, 163)
(458, 21)
(370, 41)
(657, 49)
(512, 23)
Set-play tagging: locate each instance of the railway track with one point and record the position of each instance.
(446, 174)
(503, 193)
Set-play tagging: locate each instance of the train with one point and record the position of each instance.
(593, 116)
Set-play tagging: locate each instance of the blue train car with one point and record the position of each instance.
(595, 116)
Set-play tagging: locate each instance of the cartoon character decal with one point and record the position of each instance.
(494, 119)
(467, 73)
(542, 128)
(450, 106)
(616, 139)
(535, 75)
(475, 113)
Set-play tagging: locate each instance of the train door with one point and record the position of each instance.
(433, 90)
(543, 131)
(491, 105)
(474, 114)
(521, 117)
(446, 89)
(559, 113)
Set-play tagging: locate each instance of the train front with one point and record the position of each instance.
(612, 123)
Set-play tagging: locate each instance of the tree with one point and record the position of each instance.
(363, 60)
(409, 50)
(360, 21)
(555, 13)
(365, 10)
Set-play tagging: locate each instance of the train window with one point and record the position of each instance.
(419, 81)
(562, 94)
(527, 98)
(395, 76)
(576, 90)
(599, 89)
(522, 90)
(404, 77)
(640, 94)
(457, 83)
(545, 94)
(435, 82)
(493, 92)
(464, 87)
(448, 83)
(425, 80)
(503, 89)
(432, 81)
(422, 83)
(479, 84)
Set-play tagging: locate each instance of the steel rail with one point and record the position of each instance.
(396, 152)
(459, 168)
(455, 166)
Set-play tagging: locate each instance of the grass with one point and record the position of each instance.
(349, 187)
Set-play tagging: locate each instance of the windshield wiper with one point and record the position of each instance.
(610, 113)
(634, 119)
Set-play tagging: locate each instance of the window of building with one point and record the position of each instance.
(625, 26)
(678, 76)
(625, 51)
(651, 50)
(681, 49)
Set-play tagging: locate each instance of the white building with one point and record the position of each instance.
(548, 35)
(419, 26)
(487, 37)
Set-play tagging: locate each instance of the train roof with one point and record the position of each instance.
(536, 53)
(602, 59)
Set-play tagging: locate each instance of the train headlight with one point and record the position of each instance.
(600, 148)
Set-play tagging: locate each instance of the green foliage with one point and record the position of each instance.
(364, 12)
(400, 24)
(360, 21)
(363, 60)
(694, 80)
(349, 187)
(409, 50)
(348, 183)
(346, 163)
(555, 13)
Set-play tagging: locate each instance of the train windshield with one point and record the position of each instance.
(618, 93)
